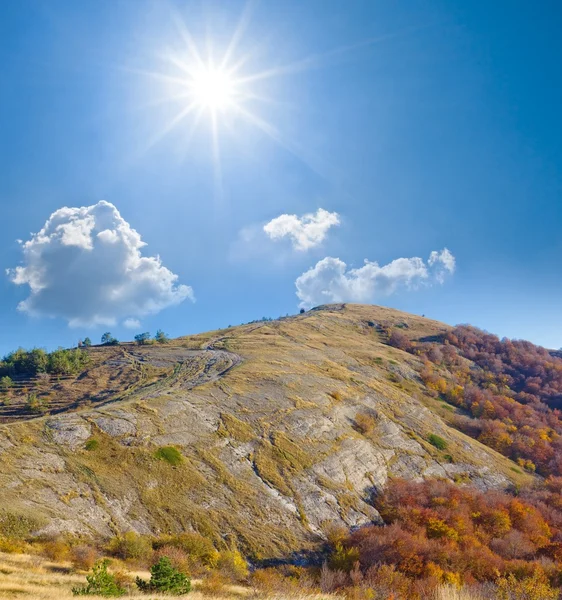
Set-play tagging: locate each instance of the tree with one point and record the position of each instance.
(36, 404)
(6, 383)
(100, 583)
(165, 578)
(142, 338)
(108, 340)
(161, 337)
(87, 342)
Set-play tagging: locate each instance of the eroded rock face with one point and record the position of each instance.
(68, 430)
(268, 432)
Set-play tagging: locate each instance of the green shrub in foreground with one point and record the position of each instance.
(165, 578)
(100, 583)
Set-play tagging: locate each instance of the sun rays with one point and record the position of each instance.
(213, 89)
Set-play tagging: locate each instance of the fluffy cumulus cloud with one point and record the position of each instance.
(86, 266)
(304, 232)
(330, 280)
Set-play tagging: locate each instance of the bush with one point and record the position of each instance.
(6, 383)
(56, 550)
(365, 423)
(180, 560)
(232, 563)
(170, 454)
(83, 556)
(17, 525)
(131, 545)
(142, 338)
(437, 441)
(161, 337)
(92, 444)
(530, 588)
(165, 578)
(196, 546)
(100, 583)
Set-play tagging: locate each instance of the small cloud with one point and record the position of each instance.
(86, 266)
(330, 280)
(444, 262)
(131, 323)
(304, 232)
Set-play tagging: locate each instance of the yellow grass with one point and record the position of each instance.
(35, 578)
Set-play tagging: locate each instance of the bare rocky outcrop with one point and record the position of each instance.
(264, 416)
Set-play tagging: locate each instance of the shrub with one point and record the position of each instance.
(535, 587)
(170, 454)
(6, 383)
(180, 560)
(161, 337)
(365, 423)
(131, 545)
(232, 563)
(165, 578)
(56, 550)
(83, 556)
(36, 404)
(194, 545)
(92, 444)
(100, 583)
(400, 341)
(17, 525)
(142, 338)
(343, 559)
(437, 441)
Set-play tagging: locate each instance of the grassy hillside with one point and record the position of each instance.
(267, 434)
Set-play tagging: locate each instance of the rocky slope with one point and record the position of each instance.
(285, 428)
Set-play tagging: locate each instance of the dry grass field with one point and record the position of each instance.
(29, 577)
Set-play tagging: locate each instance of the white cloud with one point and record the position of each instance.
(131, 323)
(304, 232)
(86, 266)
(330, 280)
(444, 262)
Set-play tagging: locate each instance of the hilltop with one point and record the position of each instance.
(269, 433)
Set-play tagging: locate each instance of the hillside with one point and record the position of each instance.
(270, 433)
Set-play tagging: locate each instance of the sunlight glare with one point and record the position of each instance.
(212, 88)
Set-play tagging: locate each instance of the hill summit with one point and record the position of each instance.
(270, 433)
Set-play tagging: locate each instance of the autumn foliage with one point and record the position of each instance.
(510, 392)
(439, 533)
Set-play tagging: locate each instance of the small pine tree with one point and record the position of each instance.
(87, 342)
(165, 578)
(6, 383)
(35, 403)
(161, 337)
(100, 583)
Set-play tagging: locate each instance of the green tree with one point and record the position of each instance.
(6, 383)
(35, 403)
(142, 338)
(108, 340)
(100, 583)
(87, 342)
(165, 578)
(161, 337)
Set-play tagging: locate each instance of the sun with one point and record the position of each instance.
(212, 88)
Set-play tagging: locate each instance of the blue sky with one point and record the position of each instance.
(422, 125)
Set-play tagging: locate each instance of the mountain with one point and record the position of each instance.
(270, 433)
